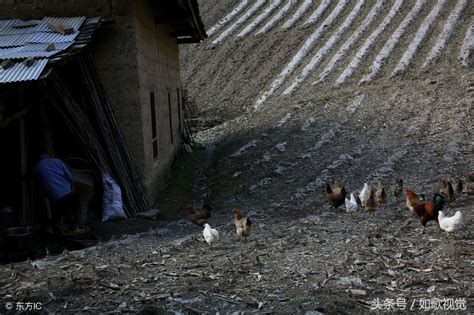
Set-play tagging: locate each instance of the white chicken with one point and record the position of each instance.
(449, 224)
(210, 235)
(351, 205)
(364, 194)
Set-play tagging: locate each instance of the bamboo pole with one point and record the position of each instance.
(135, 194)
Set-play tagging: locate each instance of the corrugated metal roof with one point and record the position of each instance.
(16, 31)
(8, 23)
(19, 72)
(16, 44)
(74, 22)
(42, 46)
(41, 33)
(32, 50)
(27, 54)
(6, 51)
(45, 37)
(13, 40)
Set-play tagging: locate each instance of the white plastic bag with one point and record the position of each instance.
(112, 199)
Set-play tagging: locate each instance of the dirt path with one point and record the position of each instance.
(202, 184)
(325, 262)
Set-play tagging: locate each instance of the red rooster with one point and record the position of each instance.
(426, 211)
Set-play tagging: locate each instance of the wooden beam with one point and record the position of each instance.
(197, 24)
(188, 40)
(25, 205)
(170, 19)
(107, 21)
(12, 117)
(25, 24)
(60, 28)
(186, 32)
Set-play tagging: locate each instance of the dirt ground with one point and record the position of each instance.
(315, 261)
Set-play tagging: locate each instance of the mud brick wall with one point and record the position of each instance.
(158, 73)
(134, 57)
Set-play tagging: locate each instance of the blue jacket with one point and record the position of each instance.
(54, 177)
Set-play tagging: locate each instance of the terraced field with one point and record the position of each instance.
(293, 46)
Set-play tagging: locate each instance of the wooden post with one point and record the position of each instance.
(23, 216)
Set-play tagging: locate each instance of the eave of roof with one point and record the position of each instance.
(197, 21)
(183, 16)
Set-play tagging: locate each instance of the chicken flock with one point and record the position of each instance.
(370, 198)
(243, 224)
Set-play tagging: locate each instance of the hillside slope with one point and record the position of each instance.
(230, 73)
(414, 122)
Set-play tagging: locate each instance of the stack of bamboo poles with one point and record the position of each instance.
(102, 143)
(127, 176)
(60, 97)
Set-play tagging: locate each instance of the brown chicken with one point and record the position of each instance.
(380, 194)
(426, 211)
(371, 204)
(335, 184)
(199, 217)
(398, 188)
(447, 190)
(335, 195)
(243, 225)
(412, 199)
